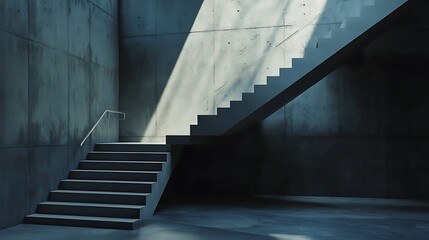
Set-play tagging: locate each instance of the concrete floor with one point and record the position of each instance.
(292, 218)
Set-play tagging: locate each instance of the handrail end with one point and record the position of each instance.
(92, 129)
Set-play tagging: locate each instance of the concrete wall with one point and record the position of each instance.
(362, 131)
(58, 73)
(183, 58)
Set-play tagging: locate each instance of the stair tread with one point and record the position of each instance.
(92, 204)
(132, 147)
(107, 181)
(100, 192)
(86, 218)
(118, 161)
(113, 171)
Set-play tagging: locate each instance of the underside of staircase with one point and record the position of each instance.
(120, 184)
(117, 186)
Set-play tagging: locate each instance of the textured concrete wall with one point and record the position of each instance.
(58, 73)
(361, 131)
(183, 58)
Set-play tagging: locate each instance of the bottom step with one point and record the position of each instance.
(82, 221)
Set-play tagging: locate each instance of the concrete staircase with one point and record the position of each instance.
(117, 186)
(318, 62)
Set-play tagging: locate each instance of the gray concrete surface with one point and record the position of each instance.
(361, 131)
(14, 94)
(276, 218)
(14, 17)
(15, 189)
(58, 73)
(200, 55)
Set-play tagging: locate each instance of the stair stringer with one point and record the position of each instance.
(305, 72)
(158, 188)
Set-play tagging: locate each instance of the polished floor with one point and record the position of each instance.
(291, 218)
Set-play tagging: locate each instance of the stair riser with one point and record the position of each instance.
(89, 211)
(128, 156)
(109, 187)
(114, 176)
(97, 198)
(79, 223)
(121, 166)
(131, 148)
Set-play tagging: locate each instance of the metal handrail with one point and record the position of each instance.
(93, 128)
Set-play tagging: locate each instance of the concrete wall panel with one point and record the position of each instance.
(360, 167)
(252, 53)
(182, 16)
(14, 188)
(362, 114)
(274, 125)
(96, 95)
(111, 96)
(184, 88)
(46, 169)
(52, 16)
(48, 75)
(104, 39)
(138, 17)
(76, 153)
(103, 95)
(307, 166)
(168, 50)
(79, 30)
(114, 103)
(109, 6)
(315, 112)
(59, 109)
(407, 89)
(79, 100)
(408, 168)
(138, 85)
(13, 90)
(14, 16)
(237, 14)
(39, 88)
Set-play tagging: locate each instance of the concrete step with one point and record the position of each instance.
(106, 185)
(98, 197)
(132, 147)
(120, 165)
(134, 156)
(110, 189)
(81, 221)
(90, 209)
(114, 175)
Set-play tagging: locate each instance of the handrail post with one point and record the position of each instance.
(106, 112)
